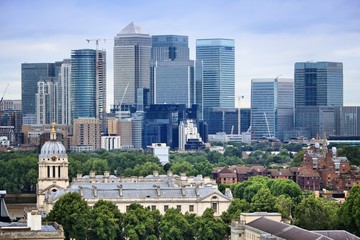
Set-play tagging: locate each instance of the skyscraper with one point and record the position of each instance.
(31, 73)
(65, 92)
(272, 107)
(218, 56)
(132, 50)
(318, 89)
(170, 48)
(88, 91)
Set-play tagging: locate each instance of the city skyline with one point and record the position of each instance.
(270, 36)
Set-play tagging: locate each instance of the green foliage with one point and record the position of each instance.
(182, 167)
(141, 223)
(293, 147)
(316, 214)
(286, 187)
(247, 189)
(284, 205)
(349, 214)
(95, 164)
(352, 153)
(233, 152)
(18, 172)
(236, 207)
(143, 170)
(105, 221)
(209, 228)
(174, 226)
(72, 212)
(298, 158)
(263, 201)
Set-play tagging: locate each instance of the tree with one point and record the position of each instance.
(316, 214)
(141, 223)
(352, 153)
(144, 169)
(297, 160)
(209, 228)
(287, 187)
(349, 214)
(174, 226)
(105, 221)
(182, 167)
(284, 205)
(72, 212)
(233, 152)
(95, 164)
(263, 201)
(236, 207)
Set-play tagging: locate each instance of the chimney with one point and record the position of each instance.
(81, 191)
(155, 173)
(33, 220)
(95, 190)
(92, 174)
(106, 176)
(78, 176)
(183, 190)
(183, 177)
(120, 190)
(158, 190)
(169, 173)
(197, 190)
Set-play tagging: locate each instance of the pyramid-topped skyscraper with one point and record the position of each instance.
(132, 50)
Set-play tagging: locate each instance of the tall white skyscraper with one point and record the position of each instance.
(132, 52)
(65, 94)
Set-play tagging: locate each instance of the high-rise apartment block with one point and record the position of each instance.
(218, 56)
(88, 85)
(272, 107)
(318, 89)
(132, 50)
(86, 132)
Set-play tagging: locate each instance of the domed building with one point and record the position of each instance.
(53, 168)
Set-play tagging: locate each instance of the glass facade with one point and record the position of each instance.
(85, 92)
(317, 84)
(132, 51)
(272, 107)
(170, 48)
(218, 56)
(31, 73)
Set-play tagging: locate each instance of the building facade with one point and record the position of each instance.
(218, 56)
(132, 51)
(31, 73)
(317, 84)
(88, 85)
(226, 120)
(272, 107)
(86, 132)
(170, 48)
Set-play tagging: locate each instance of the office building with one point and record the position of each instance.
(161, 151)
(12, 119)
(189, 137)
(218, 56)
(170, 48)
(177, 82)
(88, 85)
(14, 105)
(31, 73)
(110, 142)
(347, 120)
(317, 85)
(272, 107)
(226, 120)
(132, 50)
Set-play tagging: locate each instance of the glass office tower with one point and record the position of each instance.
(132, 50)
(318, 89)
(218, 56)
(170, 48)
(272, 107)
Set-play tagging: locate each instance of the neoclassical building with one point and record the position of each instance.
(161, 192)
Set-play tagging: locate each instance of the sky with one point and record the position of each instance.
(270, 35)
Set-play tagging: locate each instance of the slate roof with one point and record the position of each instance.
(284, 230)
(338, 234)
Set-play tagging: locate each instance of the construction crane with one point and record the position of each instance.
(97, 72)
(4, 93)
(267, 124)
(239, 125)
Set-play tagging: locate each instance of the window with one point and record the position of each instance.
(178, 207)
(191, 208)
(48, 171)
(53, 171)
(153, 207)
(166, 207)
(214, 206)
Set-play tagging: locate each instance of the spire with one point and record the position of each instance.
(132, 29)
(53, 131)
